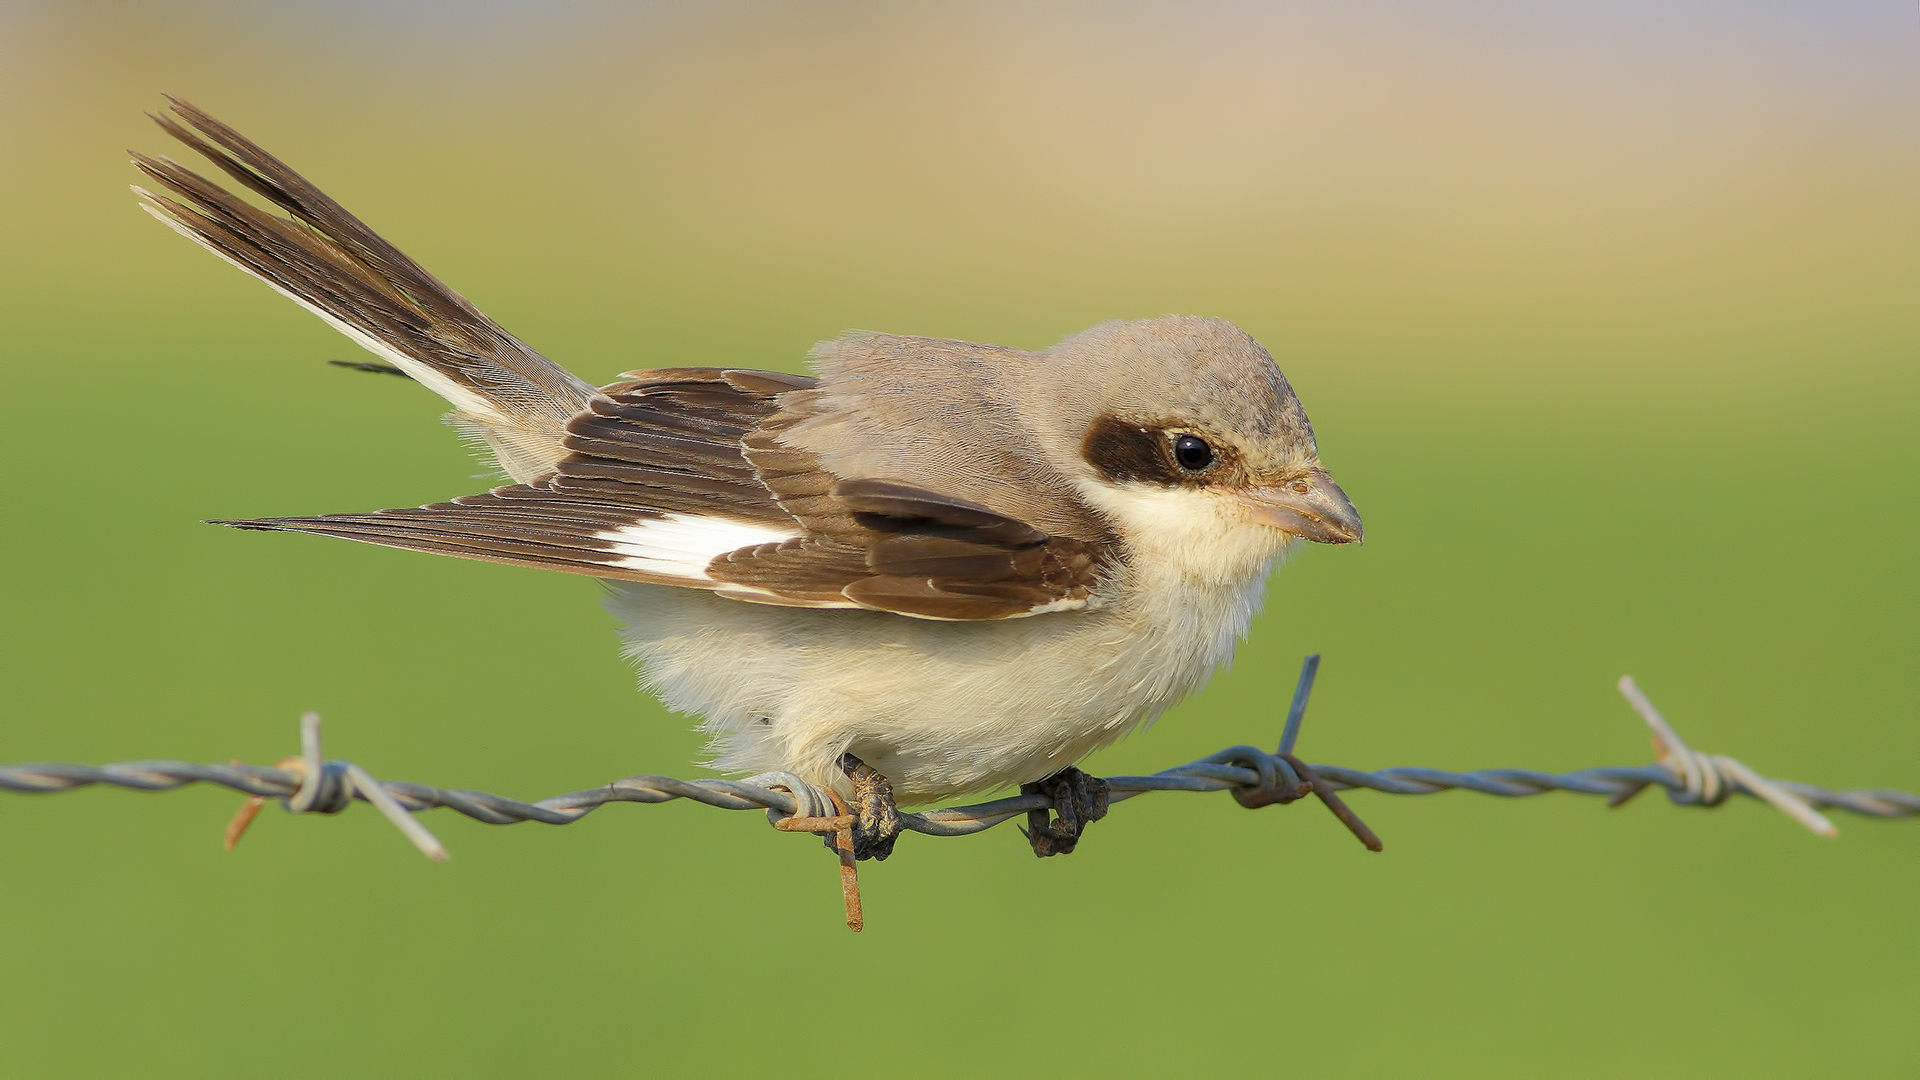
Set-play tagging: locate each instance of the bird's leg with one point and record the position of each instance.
(876, 817)
(1078, 801)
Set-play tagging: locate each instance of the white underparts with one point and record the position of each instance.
(942, 708)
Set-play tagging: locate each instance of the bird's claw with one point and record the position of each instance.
(876, 816)
(1078, 801)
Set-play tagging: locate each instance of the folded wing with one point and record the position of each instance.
(676, 477)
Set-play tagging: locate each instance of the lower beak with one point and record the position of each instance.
(1321, 513)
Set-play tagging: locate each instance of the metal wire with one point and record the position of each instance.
(1257, 778)
(311, 784)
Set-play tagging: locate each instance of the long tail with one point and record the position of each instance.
(326, 261)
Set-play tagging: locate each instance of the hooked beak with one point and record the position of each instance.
(1312, 508)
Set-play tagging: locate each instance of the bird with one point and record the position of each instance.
(928, 568)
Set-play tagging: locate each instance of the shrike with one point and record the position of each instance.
(929, 568)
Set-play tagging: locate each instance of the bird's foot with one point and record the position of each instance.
(876, 817)
(1078, 801)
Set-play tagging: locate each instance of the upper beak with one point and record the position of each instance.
(1321, 513)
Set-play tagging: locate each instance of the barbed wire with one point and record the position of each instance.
(1256, 778)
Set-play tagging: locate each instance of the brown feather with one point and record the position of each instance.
(330, 260)
(699, 441)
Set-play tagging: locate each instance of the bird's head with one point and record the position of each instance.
(1188, 434)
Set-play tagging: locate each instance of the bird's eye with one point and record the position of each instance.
(1192, 452)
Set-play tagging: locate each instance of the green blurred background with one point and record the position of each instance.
(1605, 315)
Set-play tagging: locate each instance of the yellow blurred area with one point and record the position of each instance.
(1605, 315)
(1017, 171)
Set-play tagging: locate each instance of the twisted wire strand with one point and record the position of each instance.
(310, 784)
(1208, 774)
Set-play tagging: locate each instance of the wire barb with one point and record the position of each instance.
(328, 787)
(1710, 778)
(1284, 778)
(838, 829)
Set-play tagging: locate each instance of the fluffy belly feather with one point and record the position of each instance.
(940, 708)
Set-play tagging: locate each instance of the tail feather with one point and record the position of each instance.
(329, 262)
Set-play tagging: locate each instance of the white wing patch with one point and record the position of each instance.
(681, 545)
(1079, 603)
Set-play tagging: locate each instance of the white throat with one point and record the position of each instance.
(1196, 538)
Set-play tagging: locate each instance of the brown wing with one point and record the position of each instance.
(660, 485)
(907, 550)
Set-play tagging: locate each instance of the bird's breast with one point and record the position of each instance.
(941, 708)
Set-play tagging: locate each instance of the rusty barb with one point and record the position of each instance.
(310, 784)
(328, 787)
(1285, 778)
